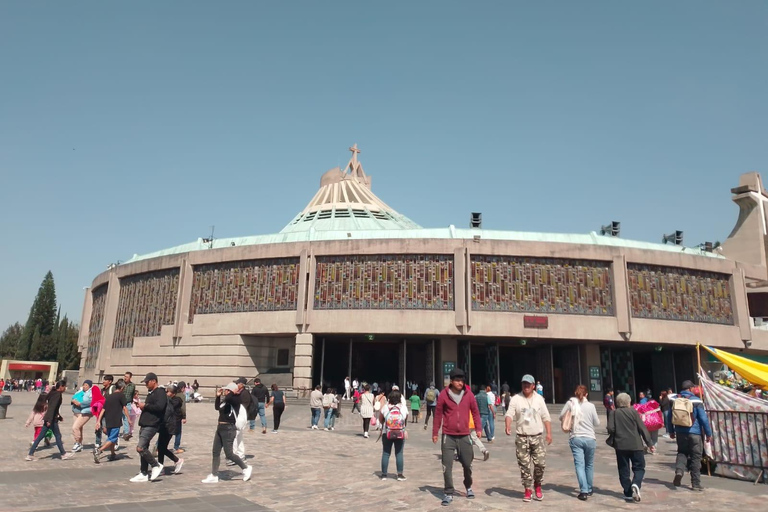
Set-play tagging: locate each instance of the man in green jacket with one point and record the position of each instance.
(129, 390)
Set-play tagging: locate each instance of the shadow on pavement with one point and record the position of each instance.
(509, 493)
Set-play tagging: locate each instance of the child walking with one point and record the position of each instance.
(36, 417)
(415, 406)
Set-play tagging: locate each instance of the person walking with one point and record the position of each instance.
(608, 403)
(241, 421)
(627, 434)
(51, 420)
(129, 390)
(277, 401)
(248, 402)
(169, 427)
(484, 405)
(666, 404)
(430, 398)
(476, 439)
(111, 416)
(152, 415)
(415, 406)
(81, 409)
(36, 417)
(581, 438)
(315, 406)
(181, 418)
(260, 393)
(366, 408)
(454, 405)
(224, 438)
(355, 400)
(689, 422)
(393, 434)
(328, 399)
(529, 412)
(347, 389)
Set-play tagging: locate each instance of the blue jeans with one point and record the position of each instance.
(177, 437)
(262, 417)
(583, 449)
(488, 426)
(386, 445)
(127, 421)
(54, 427)
(315, 416)
(328, 418)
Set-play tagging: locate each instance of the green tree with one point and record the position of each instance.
(41, 322)
(67, 354)
(9, 340)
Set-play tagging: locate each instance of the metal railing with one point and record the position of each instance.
(741, 439)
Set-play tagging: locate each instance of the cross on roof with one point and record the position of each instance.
(354, 151)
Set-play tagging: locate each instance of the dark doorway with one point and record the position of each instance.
(336, 364)
(567, 374)
(514, 362)
(643, 373)
(375, 362)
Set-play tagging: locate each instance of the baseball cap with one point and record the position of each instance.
(150, 376)
(231, 386)
(395, 388)
(687, 384)
(529, 379)
(457, 373)
(241, 380)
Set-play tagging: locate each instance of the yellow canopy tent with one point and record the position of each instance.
(754, 372)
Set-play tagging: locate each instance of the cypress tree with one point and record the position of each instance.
(42, 319)
(68, 356)
(9, 341)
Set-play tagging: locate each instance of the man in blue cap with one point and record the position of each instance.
(531, 417)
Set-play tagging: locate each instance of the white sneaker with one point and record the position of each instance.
(325, 429)
(314, 427)
(67, 456)
(211, 479)
(177, 467)
(141, 477)
(635, 492)
(77, 448)
(365, 435)
(29, 458)
(274, 431)
(156, 470)
(247, 473)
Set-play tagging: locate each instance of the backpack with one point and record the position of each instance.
(169, 418)
(253, 407)
(682, 412)
(395, 424)
(431, 395)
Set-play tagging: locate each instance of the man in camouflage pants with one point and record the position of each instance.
(529, 412)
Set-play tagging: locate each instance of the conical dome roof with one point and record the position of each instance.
(345, 202)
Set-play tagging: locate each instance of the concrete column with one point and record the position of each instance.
(184, 299)
(302, 364)
(110, 322)
(621, 297)
(740, 305)
(85, 325)
(459, 287)
(301, 296)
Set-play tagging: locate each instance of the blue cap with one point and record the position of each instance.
(529, 379)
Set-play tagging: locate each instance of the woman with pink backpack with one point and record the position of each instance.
(392, 417)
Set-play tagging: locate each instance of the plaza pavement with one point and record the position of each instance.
(304, 470)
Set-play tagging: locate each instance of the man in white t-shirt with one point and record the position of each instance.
(347, 389)
(529, 412)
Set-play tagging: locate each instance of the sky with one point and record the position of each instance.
(130, 127)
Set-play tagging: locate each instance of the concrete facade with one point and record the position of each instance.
(195, 339)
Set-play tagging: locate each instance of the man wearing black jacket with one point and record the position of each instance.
(152, 415)
(51, 422)
(260, 395)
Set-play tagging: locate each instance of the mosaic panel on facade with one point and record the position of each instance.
(99, 302)
(541, 285)
(384, 282)
(666, 293)
(245, 286)
(147, 302)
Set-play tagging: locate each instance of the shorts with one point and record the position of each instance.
(113, 434)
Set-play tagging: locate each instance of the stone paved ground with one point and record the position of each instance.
(304, 470)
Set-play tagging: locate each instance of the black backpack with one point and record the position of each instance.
(169, 419)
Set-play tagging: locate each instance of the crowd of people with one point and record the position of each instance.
(38, 385)
(460, 418)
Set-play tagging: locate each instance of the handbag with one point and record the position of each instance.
(566, 422)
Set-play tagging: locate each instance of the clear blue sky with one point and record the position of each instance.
(129, 127)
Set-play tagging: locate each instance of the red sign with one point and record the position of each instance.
(535, 322)
(30, 367)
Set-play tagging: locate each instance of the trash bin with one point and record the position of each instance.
(5, 401)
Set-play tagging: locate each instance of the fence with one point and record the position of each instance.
(740, 440)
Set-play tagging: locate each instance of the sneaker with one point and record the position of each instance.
(247, 473)
(156, 470)
(486, 455)
(77, 447)
(696, 487)
(401, 477)
(29, 458)
(67, 456)
(230, 463)
(47, 442)
(314, 427)
(177, 467)
(365, 435)
(383, 476)
(264, 431)
(333, 428)
(470, 494)
(629, 499)
(141, 477)
(583, 496)
(117, 444)
(274, 431)
(528, 495)
(210, 479)
(635, 492)
(96, 456)
(178, 450)
(425, 427)
(678, 481)
(665, 436)
(447, 500)
(538, 496)
(326, 429)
